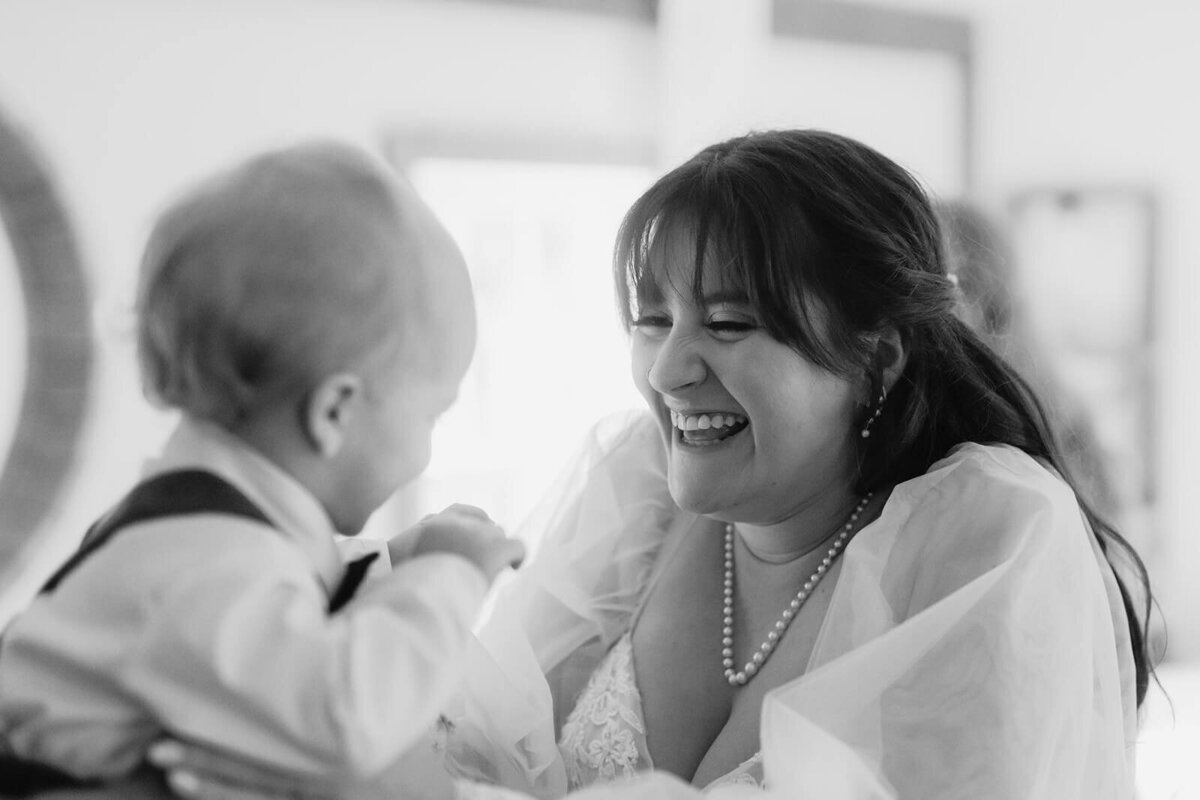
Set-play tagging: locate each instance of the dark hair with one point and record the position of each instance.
(804, 214)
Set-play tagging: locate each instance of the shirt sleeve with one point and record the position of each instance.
(241, 654)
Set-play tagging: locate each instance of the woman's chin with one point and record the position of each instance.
(696, 497)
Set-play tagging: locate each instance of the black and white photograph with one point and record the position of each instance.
(599, 399)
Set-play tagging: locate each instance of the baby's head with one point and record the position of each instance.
(313, 306)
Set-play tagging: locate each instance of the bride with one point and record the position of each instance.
(839, 557)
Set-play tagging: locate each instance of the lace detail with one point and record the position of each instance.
(604, 738)
(748, 773)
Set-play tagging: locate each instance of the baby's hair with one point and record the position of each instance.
(264, 279)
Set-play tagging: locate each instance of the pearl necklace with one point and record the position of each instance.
(789, 613)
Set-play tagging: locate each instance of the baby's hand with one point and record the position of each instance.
(469, 532)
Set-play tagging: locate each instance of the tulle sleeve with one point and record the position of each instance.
(594, 541)
(976, 646)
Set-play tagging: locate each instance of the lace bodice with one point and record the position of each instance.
(604, 737)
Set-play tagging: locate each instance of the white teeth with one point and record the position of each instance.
(703, 422)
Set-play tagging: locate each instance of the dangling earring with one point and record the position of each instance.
(866, 428)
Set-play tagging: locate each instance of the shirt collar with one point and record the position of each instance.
(299, 516)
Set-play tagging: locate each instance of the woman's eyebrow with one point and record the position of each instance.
(726, 296)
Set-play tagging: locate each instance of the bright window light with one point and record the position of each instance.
(551, 357)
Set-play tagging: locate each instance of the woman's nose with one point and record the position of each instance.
(677, 365)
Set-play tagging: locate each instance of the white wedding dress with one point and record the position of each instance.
(975, 646)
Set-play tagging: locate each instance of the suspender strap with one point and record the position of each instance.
(167, 495)
(356, 570)
(191, 491)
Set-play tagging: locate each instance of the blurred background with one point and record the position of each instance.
(1059, 139)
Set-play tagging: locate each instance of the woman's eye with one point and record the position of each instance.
(652, 322)
(730, 326)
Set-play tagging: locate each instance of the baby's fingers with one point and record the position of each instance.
(467, 510)
(511, 552)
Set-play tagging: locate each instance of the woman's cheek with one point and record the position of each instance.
(641, 359)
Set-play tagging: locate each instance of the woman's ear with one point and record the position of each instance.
(891, 356)
(329, 411)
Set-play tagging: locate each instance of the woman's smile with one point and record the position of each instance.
(707, 429)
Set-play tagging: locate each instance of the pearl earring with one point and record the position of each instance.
(866, 429)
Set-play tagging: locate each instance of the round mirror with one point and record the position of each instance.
(46, 350)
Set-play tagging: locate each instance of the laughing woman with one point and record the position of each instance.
(840, 557)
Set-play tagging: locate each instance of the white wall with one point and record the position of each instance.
(1088, 93)
(131, 99)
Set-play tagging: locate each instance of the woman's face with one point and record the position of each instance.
(754, 431)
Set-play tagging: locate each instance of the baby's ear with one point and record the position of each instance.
(329, 411)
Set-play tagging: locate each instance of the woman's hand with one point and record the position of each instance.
(196, 771)
(142, 785)
(202, 773)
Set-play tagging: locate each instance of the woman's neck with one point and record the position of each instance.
(803, 531)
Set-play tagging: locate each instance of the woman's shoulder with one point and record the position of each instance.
(980, 506)
(613, 495)
(1000, 471)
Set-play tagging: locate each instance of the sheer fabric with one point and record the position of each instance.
(975, 644)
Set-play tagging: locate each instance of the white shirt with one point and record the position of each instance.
(215, 628)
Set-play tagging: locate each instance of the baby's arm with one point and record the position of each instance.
(469, 532)
(247, 658)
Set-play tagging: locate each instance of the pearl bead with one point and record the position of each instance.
(764, 650)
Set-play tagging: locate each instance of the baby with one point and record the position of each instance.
(311, 320)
